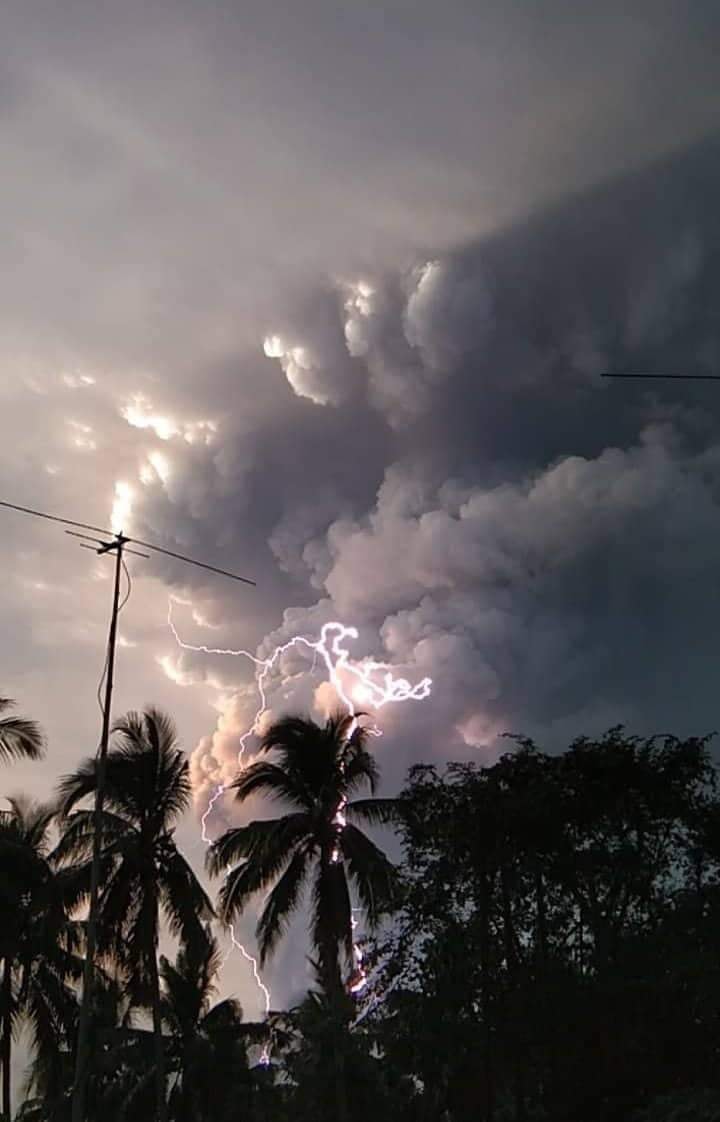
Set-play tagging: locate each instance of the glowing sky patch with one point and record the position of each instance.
(122, 507)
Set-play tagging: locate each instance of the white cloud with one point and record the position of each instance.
(75, 381)
(316, 373)
(139, 413)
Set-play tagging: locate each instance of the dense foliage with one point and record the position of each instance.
(548, 947)
(556, 954)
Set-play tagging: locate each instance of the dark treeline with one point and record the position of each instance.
(547, 948)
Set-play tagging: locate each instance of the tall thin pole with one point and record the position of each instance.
(83, 1042)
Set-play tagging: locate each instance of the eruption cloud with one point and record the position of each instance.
(368, 682)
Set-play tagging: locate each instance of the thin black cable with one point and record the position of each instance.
(192, 561)
(129, 584)
(120, 537)
(54, 518)
(677, 377)
(102, 681)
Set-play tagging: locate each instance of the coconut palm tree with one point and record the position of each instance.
(147, 788)
(19, 738)
(38, 943)
(208, 1051)
(317, 770)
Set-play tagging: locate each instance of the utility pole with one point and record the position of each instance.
(82, 1049)
(107, 543)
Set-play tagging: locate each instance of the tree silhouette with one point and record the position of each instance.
(38, 944)
(208, 1050)
(318, 769)
(144, 873)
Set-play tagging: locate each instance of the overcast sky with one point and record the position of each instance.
(322, 292)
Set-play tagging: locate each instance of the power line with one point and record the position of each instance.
(54, 518)
(109, 534)
(192, 561)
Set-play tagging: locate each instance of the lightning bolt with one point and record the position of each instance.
(369, 682)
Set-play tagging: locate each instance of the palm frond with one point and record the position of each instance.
(277, 841)
(373, 874)
(120, 901)
(74, 882)
(142, 933)
(181, 1000)
(130, 730)
(289, 734)
(33, 821)
(75, 786)
(375, 812)
(50, 1008)
(309, 754)
(146, 773)
(142, 783)
(185, 902)
(174, 791)
(19, 737)
(225, 1017)
(251, 841)
(281, 903)
(359, 769)
(76, 840)
(272, 779)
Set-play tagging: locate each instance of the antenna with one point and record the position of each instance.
(106, 542)
(676, 377)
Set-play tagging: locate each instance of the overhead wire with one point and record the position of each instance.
(51, 517)
(109, 534)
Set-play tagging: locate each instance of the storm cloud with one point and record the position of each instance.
(541, 542)
(323, 294)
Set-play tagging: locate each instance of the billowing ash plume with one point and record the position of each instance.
(466, 490)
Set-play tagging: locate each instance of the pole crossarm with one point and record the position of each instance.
(117, 543)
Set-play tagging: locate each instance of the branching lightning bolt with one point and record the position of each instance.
(366, 690)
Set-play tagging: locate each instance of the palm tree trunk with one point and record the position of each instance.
(338, 1057)
(161, 1110)
(330, 972)
(332, 984)
(6, 1036)
(160, 1076)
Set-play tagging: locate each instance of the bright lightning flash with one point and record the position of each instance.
(367, 682)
